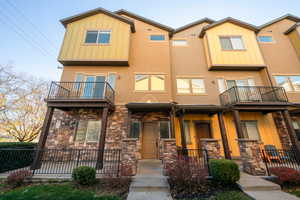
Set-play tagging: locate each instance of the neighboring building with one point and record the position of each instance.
(132, 83)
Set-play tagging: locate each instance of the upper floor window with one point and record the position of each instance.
(232, 43)
(157, 37)
(289, 83)
(227, 84)
(265, 38)
(146, 82)
(179, 42)
(190, 86)
(97, 37)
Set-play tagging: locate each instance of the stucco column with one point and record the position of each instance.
(251, 158)
(212, 146)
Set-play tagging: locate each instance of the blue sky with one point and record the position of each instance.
(29, 51)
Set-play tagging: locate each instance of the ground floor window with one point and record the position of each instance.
(250, 130)
(187, 132)
(135, 129)
(88, 131)
(296, 125)
(164, 129)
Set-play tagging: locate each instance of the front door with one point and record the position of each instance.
(203, 130)
(150, 140)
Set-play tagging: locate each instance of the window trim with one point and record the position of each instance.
(232, 78)
(169, 124)
(149, 90)
(189, 122)
(266, 35)
(96, 43)
(141, 128)
(190, 85)
(182, 39)
(163, 34)
(257, 127)
(85, 141)
(231, 36)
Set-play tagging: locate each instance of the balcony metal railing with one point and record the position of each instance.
(253, 94)
(81, 91)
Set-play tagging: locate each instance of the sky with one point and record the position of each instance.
(31, 33)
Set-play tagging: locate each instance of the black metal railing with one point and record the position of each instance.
(279, 158)
(253, 94)
(81, 90)
(60, 161)
(197, 159)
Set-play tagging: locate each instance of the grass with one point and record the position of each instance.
(293, 191)
(53, 191)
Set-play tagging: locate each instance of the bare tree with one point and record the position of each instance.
(23, 107)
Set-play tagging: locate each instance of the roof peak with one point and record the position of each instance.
(286, 16)
(194, 23)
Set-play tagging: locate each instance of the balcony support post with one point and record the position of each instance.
(43, 138)
(237, 122)
(182, 132)
(99, 164)
(172, 115)
(224, 136)
(291, 131)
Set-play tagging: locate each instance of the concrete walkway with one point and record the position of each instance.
(260, 189)
(149, 183)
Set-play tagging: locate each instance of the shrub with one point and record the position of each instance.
(232, 195)
(84, 175)
(224, 171)
(286, 176)
(17, 178)
(14, 145)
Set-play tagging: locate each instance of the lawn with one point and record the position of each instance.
(294, 191)
(106, 189)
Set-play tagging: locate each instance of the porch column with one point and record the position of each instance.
(43, 138)
(237, 122)
(183, 139)
(224, 136)
(172, 123)
(291, 131)
(99, 164)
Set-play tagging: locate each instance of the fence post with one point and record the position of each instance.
(119, 163)
(78, 157)
(265, 161)
(207, 160)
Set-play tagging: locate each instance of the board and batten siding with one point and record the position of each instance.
(250, 56)
(295, 39)
(74, 47)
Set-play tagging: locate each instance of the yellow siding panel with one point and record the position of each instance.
(74, 48)
(250, 56)
(295, 39)
(266, 126)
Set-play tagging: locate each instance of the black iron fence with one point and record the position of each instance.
(253, 94)
(81, 90)
(60, 161)
(197, 159)
(279, 158)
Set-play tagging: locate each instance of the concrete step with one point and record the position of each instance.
(267, 195)
(255, 183)
(149, 195)
(144, 183)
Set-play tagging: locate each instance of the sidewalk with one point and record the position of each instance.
(260, 189)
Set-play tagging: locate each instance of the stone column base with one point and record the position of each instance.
(169, 154)
(212, 146)
(129, 157)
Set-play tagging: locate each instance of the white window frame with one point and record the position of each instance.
(85, 141)
(149, 82)
(191, 85)
(160, 34)
(230, 39)
(273, 41)
(180, 45)
(290, 82)
(225, 82)
(98, 33)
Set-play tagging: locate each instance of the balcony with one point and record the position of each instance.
(254, 95)
(90, 93)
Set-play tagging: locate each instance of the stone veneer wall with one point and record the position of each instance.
(282, 130)
(251, 159)
(212, 147)
(169, 154)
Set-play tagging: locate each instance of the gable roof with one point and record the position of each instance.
(231, 20)
(143, 19)
(79, 16)
(195, 23)
(292, 28)
(287, 16)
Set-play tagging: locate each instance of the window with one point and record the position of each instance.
(289, 83)
(97, 37)
(250, 130)
(296, 125)
(179, 43)
(190, 85)
(265, 38)
(232, 43)
(227, 84)
(187, 133)
(112, 80)
(88, 131)
(144, 82)
(135, 129)
(157, 37)
(164, 129)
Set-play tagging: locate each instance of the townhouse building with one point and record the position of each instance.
(134, 84)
